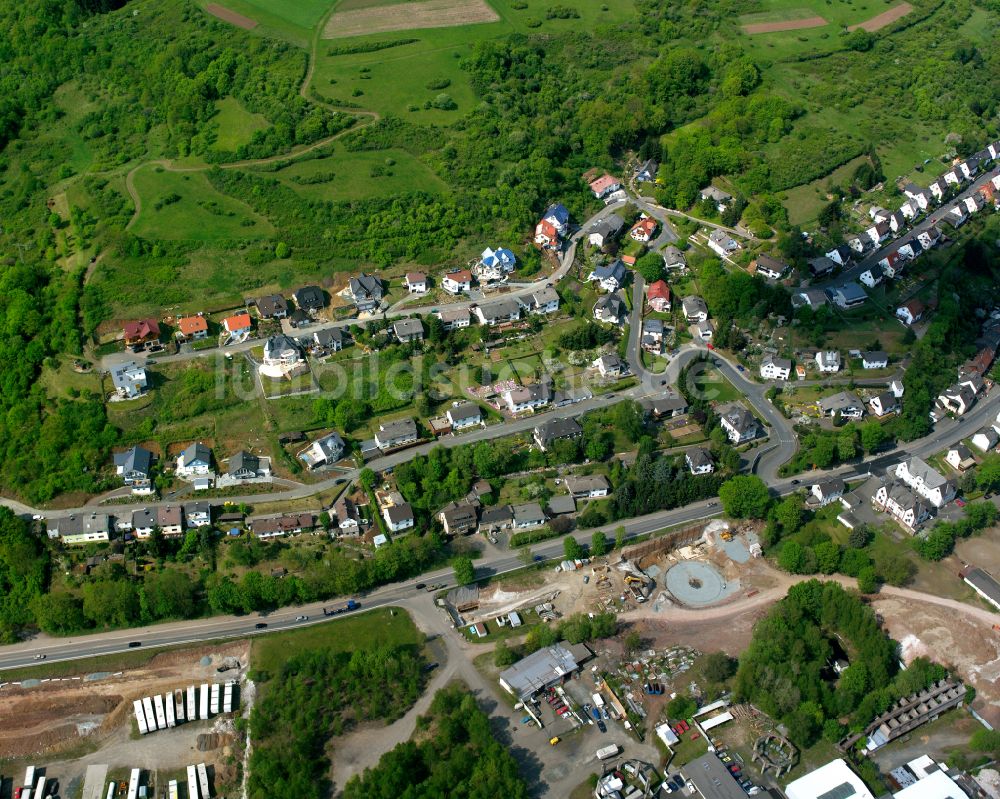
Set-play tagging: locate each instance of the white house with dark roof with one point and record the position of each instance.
(609, 309)
(323, 451)
(499, 311)
(828, 361)
(739, 424)
(610, 277)
(774, 368)
(557, 429)
(900, 502)
(985, 439)
(695, 309)
(610, 365)
(605, 230)
(454, 318)
(959, 457)
(463, 415)
(841, 255)
(543, 301)
(850, 295)
(194, 461)
(396, 434)
(366, 291)
(528, 398)
(528, 515)
(416, 282)
(398, 517)
(874, 359)
(408, 331)
(699, 461)
(588, 486)
(847, 404)
(245, 467)
(884, 403)
(926, 481)
(129, 380)
(715, 195)
(722, 243)
(673, 258)
(824, 492)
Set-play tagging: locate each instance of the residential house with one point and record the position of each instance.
(499, 312)
(929, 237)
(909, 210)
(878, 214)
(324, 451)
(330, 339)
(897, 222)
(848, 405)
(463, 415)
(699, 461)
(957, 399)
(408, 330)
(129, 380)
(135, 467)
(170, 520)
(673, 258)
(273, 306)
(910, 312)
(974, 204)
(938, 188)
(850, 295)
(644, 229)
(715, 195)
(812, 298)
(705, 330)
(348, 519)
(773, 368)
(528, 398)
(528, 515)
(458, 518)
(588, 487)
(458, 281)
(609, 308)
(954, 176)
(416, 282)
(192, 328)
(872, 276)
(910, 249)
(739, 424)
(312, 299)
(896, 387)
(610, 277)
(282, 525)
(80, 528)
(494, 519)
(605, 230)
(902, 504)
(841, 255)
(658, 296)
(454, 318)
(820, 266)
(926, 481)
(543, 301)
(245, 467)
(651, 339)
(398, 517)
(668, 406)
(828, 361)
(142, 522)
(695, 309)
(960, 457)
(299, 318)
(884, 404)
(553, 430)
(769, 267)
(985, 439)
(969, 167)
(238, 324)
(194, 461)
(366, 291)
(396, 434)
(920, 197)
(546, 235)
(892, 264)
(722, 243)
(605, 185)
(198, 514)
(874, 359)
(826, 491)
(610, 366)
(560, 505)
(878, 232)
(500, 261)
(956, 215)
(646, 172)
(141, 332)
(282, 351)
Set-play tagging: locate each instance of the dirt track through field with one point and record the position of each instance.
(230, 16)
(409, 16)
(787, 25)
(883, 19)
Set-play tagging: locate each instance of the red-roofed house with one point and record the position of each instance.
(910, 312)
(416, 282)
(193, 326)
(457, 282)
(238, 324)
(604, 186)
(546, 235)
(658, 296)
(141, 331)
(644, 229)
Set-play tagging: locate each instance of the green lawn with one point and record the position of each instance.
(191, 209)
(382, 627)
(805, 202)
(345, 175)
(713, 386)
(293, 20)
(235, 125)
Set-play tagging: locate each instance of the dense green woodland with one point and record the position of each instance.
(452, 753)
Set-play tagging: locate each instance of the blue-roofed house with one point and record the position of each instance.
(610, 276)
(850, 295)
(558, 216)
(499, 259)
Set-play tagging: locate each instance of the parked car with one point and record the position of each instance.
(420, 586)
(134, 644)
(39, 657)
(602, 726)
(260, 625)
(301, 618)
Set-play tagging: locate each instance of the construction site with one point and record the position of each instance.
(131, 733)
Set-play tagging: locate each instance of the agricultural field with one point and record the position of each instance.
(293, 21)
(184, 206)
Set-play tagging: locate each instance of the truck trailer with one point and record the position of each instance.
(192, 703)
(39, 788)
(172, 789)
(168, 703)
(111, 790)
(598, 700)
(203, 781)
(203, 704)
(29, 782)
(214, 698)
(607, 751)
(192, 782)
(161, 715)
(140, 716)
(147, 706)
(227, 697)
(179, 705)
(133, 784)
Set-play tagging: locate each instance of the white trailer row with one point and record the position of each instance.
(133, 784)
(192, 782)
(203, 781)
(161, 712)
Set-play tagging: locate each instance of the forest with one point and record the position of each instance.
(453, 753)
(787, 673)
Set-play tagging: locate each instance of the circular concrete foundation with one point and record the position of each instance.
(695, 583)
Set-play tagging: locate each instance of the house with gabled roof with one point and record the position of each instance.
(910, 312)
(874, 359)
(324, 451)
(699, 461)
(673, 258)
(610, 277)
(739, 424)
(846, 403)
(695, 309)
(714, 194)
(129, 379)
(841, 255)
(194, 461)
(463, 415)
(658, 296)
(557, 216)
(543, 301)
(366, 291)
(644, 229)
(884, 403)
(330, 339)
(408, 331)
(902, 504)
(271, 306)
(768, 266)
(312, 299)
(873, 276)
(454, 318)
(926, 481)
(415, 282)
(647, 171)
(828, 361)
(605, 230)
(774, 368)
(722, 243)
(938, 188)
(605, 185)
(546, 235)
(141, 331)
(497, 312)
(610, 309)
(245, 467)
(878, 232)
(557, 429)
(929, 237)
(238, 324)
(135, 467)
(192, 327)
(457, 281)
(960, 458)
